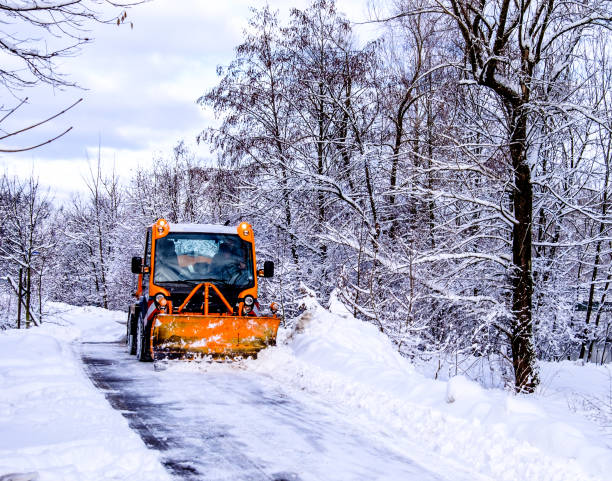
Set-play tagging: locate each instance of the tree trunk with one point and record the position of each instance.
(28, 294)
(288, 218)
(40, 287)
(397, 144)
(20, 298)
(596, 263)
(523, 352)
(320, 169)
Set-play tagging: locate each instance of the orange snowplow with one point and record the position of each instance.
(197, 294)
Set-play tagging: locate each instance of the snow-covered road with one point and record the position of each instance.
(234, 424)
(332, 401)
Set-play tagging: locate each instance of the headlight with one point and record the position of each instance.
(248, 304)
(161, 301)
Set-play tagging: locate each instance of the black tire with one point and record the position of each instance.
(143, 340)
(131, 335)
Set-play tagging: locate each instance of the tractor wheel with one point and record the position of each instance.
(143, 337)
(131, 336)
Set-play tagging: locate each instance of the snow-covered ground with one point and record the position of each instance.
(54, 422)
(505, 436)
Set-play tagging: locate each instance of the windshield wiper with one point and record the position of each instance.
(211, 280)
(179, 281)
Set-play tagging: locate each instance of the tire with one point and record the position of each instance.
(143, 338)
(131, 335)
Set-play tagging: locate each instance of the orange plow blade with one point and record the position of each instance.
(196, 336)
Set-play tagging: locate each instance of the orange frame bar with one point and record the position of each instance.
(207, 286)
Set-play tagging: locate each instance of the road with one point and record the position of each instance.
(232, 424)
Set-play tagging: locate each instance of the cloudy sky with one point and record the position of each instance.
(141, 89)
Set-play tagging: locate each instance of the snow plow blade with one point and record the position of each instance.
(217, 337)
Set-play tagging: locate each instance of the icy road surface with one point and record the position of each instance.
(225, 423)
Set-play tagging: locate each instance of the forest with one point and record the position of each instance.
(449, 180)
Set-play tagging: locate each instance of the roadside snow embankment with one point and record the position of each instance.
(53, 421)
(502, 435)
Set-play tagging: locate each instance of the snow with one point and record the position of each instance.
(53, 421)
(502, 435)
(461, 388)
(200, 228)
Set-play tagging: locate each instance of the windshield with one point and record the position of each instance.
(223, 259)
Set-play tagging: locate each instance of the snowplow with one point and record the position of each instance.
(196, 295)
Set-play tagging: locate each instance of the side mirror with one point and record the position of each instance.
(268, 270)
(136, 265)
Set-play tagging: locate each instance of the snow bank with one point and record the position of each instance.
(52, 419)
(505, 436)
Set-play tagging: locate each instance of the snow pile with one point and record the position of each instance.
(52, 419)
(497, 433)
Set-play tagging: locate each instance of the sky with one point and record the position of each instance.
(139, 90)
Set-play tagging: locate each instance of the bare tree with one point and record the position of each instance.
(27, 240)
(34, 36)
(520, 51)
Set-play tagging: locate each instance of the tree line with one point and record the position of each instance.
(449, 179)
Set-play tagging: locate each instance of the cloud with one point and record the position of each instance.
(141, 87)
